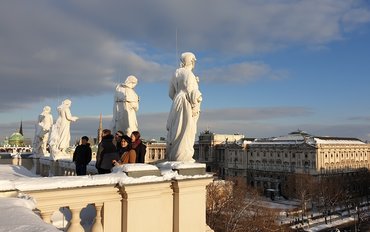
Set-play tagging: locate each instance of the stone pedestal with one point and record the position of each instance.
(137, 174)
(190, 171)
(190, 204)
(138, 170)
(147, 207)
(183, 168)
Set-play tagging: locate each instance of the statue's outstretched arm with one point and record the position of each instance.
(69, 116)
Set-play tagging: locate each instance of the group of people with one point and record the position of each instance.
(113, 150)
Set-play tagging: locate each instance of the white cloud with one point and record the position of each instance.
(239, 27)
(81, 48)
(354, 18)
(242, 73)
(45, 52)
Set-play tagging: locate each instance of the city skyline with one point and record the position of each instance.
(266, 68)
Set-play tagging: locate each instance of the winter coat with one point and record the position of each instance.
(82, 154)
(105, 146)
(128, 157)
(140, 149)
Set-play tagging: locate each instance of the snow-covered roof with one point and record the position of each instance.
(300, 137)
(337, 140)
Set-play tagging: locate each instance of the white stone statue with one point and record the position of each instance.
(42, 131)
(125, 106)
(60, 133)
(183, 117)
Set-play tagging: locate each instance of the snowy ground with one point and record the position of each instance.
(312, 225)
(280, 204)
(17, 216)
(16, 210)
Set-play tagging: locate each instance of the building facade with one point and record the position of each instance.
(215, 149)
(268, 163)
(155, 151)
(271, 161)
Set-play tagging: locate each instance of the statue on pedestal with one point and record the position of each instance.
(60, 134)
(183, 117)
(42, 131)
(126, 104)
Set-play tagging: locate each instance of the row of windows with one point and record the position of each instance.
(346, 155)
(335, 164)
(293, 155)
(306, 164)
(256, 175)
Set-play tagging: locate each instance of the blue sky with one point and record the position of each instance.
(266, 67)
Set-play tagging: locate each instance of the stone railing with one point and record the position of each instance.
(75, 199)
(119, 202)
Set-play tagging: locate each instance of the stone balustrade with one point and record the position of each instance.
(106, 200)
(131, 204)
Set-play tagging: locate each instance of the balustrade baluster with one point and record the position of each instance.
(75, 221)
(98, 226)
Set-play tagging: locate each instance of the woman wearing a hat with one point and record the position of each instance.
(127, 153)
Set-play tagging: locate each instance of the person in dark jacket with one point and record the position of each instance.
(138, 146)
(106, 146)
(82, 156)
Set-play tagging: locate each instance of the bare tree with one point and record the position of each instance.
(330, 193)
(304, 191)
(219, 197)
(232, 206)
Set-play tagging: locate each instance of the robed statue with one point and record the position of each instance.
(42, 131)
(60, 133)
(183, 117)
(125, 106)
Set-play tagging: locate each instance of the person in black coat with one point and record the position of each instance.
(82, 156)
(139, 147)
(106, 146)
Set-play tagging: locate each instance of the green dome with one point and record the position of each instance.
(16, 139)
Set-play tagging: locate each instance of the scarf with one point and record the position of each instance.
(136, 144)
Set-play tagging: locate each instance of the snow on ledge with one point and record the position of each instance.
(180, 165)
(134, 168)
(10, 173)
(23, 182)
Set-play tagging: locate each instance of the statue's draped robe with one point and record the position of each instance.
(61, 135)
(42, 130)
(126, 103)
(37, 139)
(183, 117)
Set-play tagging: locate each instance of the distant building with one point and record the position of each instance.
(155, 151)
(212, 149)
(16, 140)
(270, 160)
(267, 163)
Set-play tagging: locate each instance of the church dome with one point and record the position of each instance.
(16, 139)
